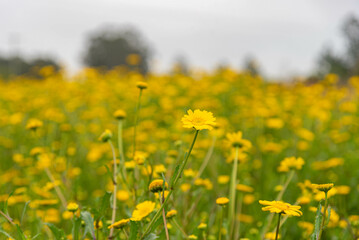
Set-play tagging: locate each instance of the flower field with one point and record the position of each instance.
(220, 155)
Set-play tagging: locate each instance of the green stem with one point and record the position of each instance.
(138, 107)
(162, 199)
(120, 148)
(278, 225)
(153, 220)
(179, 228)
(232, 194)
(220, 224)
(114, 188)
(206, 159)
(324, 215)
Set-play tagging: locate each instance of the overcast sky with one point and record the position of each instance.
(285, 36)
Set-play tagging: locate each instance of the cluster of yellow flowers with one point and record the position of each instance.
(126, 152)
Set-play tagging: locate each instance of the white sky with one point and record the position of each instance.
(285, 36)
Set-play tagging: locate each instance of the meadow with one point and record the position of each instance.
(116, 155)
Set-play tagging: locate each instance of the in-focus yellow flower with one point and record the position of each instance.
(281, 207)
(323, 187)
(72, 207)
(142, 210)
(119, 114)
(33, 124)
(157, 185)
(199, 120)
(222, 201)
(105, 136)
(290, 163)
(119, 224)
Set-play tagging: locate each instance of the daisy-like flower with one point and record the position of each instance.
(72, 207)
(222, 201)
(323, 187)
(281, 207)
(157, 185)
(119, 224)
(199, 120)
(290, 163)
(142, 210)
(105, 136)
(33, 124)
(119, 114)
(171, 213)
(235, 140)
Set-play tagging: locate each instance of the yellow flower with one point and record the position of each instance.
(72, 207)
(290, 163)
(140, 157)
(244, 188)
(105, 136)
(142, 85)
(130, 165)
(323, 187)
(271, 236)
(192, 237)
(157, 185)
(171, 213)
(281, 207)
(198, 120)
(33, 124)
(122, 195)
(119, 114)
(119, 224)
(97, 224)
(236, 140)
(222, 201)
(223, 179)
(142, 210)
(202, 226)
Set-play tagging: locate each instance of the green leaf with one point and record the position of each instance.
(105, 202)
(318, 220)
(6, 234)
(36, 236)
(151, 236)
(58, 233)
(133, 230)
(86, 216)
(327, 220)
(4, 205)
(175, 172)
(20, 233)
(23, 212)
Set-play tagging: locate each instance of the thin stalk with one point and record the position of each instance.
(57, 189)
(278, 225)
(120, 149)
(232, 194)
(206, 159)
(220, 224)
(153, 220)
(324, 215)
(138, 107)
(114, 188)
(238, 222)
(162, 199)
(7, 217)
(179, 228)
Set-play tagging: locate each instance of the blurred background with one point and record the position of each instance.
(279, 39)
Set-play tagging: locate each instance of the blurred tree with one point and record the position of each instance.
(181, 65)
(111, 47)
(347, 64)
(17, 66)
(251, 65)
